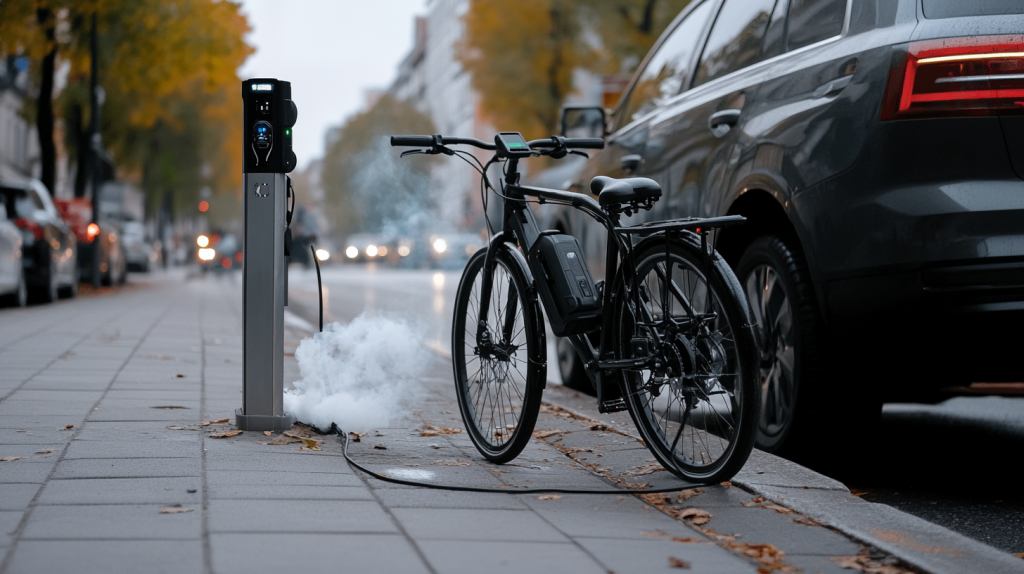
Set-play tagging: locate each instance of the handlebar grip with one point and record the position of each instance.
(412, 141)
(584, 143)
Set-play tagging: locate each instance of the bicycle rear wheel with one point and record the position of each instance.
(499, 376)
(697, 406)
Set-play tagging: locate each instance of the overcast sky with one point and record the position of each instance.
(330, 50)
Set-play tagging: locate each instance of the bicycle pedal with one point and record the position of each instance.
(612, 406)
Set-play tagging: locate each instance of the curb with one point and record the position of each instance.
(917, 542)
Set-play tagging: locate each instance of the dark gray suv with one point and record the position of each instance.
(877, 149)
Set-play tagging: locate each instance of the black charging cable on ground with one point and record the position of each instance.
(510, 490)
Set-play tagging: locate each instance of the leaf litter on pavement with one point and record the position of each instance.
(869, 564)
(175, 509)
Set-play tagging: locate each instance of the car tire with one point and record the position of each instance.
(71, 291)
(50, 290)
(570, 367)
(803, 408)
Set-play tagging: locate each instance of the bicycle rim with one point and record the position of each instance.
(499, 383)
(696, 408)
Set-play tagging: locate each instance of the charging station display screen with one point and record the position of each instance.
(263, 87)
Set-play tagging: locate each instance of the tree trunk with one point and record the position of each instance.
(44, 111)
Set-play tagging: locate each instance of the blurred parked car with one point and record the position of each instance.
(361, 247)
(453, 250)
(103, 236)
(877, 152)
(138, 252)
(48, 245)
(13, 290)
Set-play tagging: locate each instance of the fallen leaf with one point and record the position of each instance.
(311, 444)
(689, 493)
(67, 427)
(10, 458)
(168, 407)
(284, 439)
(598, 427)
(727, 483)
(542, 434)
(216, 422)
(695, 516)
(655, 499)
(176, 509)
(777, 508)
(44, 453)
(458, 463)
(754, 502)
(380, 447)
(858, 493)
(865, 563)
(686, 540)
(645, 469)
(1019, 554)
(549, 497)
(355, 435)
(677, 563)
(267, 433)
(806, 521)
(181, 376)
(302, 431)
(226, 434)
(428, 433)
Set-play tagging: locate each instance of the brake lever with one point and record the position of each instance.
(412, 152)
(574, 152)
(433, 151)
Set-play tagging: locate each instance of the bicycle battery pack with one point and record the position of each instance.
(566, 288)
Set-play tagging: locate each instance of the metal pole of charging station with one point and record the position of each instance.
(269, 115)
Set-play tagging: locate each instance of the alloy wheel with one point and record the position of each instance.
(773, 313)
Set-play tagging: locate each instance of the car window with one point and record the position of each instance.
(958, 8)
(735, 40)
(812, 21)
(669, 68)
(775, 36)
(24, 207)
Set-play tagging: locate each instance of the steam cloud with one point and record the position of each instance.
(361, 375)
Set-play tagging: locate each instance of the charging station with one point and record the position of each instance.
(269, 114)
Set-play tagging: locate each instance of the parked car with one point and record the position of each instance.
(103, 236)
(877, 151)
(49, 248)
(13, 290)
(138, 251)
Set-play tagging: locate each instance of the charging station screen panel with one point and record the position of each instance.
(263, 87)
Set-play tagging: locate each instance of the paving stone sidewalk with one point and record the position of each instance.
(109, 469)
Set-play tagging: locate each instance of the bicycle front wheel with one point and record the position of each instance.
(499, 365)
(696, 405)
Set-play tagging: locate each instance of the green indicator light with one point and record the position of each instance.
(516, 144)
(287, 132)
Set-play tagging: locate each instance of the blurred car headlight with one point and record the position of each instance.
(207, 254)
(440, 245)
(352, 252)
(203, 241)
(371, 250)
(323, 255)
(403, 250)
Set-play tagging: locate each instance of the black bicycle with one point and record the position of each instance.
(667, 334)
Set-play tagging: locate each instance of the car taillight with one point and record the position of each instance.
(35, 228)
(92, 231)
(969, 76)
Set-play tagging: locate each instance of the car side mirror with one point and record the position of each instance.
(583, 121)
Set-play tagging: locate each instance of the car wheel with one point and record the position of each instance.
(801, 407)
(570, 367)
(72, 289)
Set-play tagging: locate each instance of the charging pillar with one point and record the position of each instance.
(269, 115)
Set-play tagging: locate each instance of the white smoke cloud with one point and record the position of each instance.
(362, 375)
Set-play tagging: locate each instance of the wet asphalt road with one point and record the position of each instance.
(957, 464)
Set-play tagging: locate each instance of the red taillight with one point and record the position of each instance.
(35, 228)
(225, 262)
(970, 76)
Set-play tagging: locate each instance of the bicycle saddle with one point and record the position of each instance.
(610, 190)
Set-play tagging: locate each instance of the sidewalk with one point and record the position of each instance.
(109, 470)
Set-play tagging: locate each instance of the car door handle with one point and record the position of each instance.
(832, 87)
(721, 122)
(631, 162)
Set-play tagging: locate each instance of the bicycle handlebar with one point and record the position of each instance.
(430, 141)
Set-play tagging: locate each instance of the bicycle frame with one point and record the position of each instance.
(520, 227)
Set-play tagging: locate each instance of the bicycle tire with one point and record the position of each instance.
(499, 388)
(713, 352)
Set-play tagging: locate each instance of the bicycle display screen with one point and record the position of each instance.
(511, 144)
